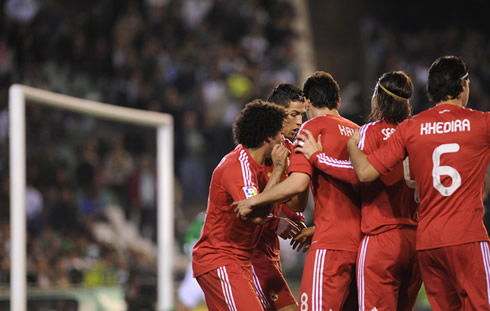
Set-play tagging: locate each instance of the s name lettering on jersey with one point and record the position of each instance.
(387, 131)
(346, 131)
(250, 191)
(429, 128)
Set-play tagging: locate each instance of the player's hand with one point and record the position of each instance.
(354, 139)
(307, 145)
(279, 157)
(243, 208)
(287, 229)
(303, 239)
(301, 225)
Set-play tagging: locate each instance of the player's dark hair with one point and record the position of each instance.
(283, 94)
(447, 76)
(322, 90)
(394, 107)
(256, 122)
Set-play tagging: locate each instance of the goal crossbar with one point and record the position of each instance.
(18, 94)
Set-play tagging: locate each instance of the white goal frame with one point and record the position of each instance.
(18, 94)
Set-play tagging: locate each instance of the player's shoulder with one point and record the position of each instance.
(433, 114)
(313, 125)
(314, 122)
(234, 157)
(476, 114)
(371, 132)
(329, 120)
(346, 122)
(371, 126)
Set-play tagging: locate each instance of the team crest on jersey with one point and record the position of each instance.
(250, 191)
(274, 296)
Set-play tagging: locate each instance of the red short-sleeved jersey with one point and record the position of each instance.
(448, 148)
(337, 212)
(268, 245)
(387, 202)
(225, 239)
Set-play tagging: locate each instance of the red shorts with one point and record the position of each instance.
(327, 278)
(388, 276)
(270, 285)
(457, 277)
(229, 288)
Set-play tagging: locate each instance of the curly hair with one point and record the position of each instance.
(283, 94)
(322, 90)
(394, 107)
(256, 122)
(447, 76)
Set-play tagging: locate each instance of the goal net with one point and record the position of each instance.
(162, 123)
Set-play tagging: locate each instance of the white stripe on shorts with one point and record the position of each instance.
(360, 273)
(226, 286)
(259, 291)
(317, 290)
(486, 264)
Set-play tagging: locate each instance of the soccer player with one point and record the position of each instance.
(269, 280)
(448, 147)
(388, 276)
(221, 259)
(330, 262)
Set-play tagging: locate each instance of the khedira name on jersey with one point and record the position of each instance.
(429, 128)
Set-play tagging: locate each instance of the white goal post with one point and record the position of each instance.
(18, 94)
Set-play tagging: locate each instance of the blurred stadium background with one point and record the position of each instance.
(90, 196)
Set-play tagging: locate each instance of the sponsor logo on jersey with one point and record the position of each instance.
(250, 191)
(274, 296)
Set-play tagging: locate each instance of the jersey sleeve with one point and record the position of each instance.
(298, 162)
(240, 183)
(340, 169)
(391, 153)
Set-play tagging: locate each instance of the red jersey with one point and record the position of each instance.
(269, 242)
(337, 214)
(388, 202)
(448, 153)
(225, 239)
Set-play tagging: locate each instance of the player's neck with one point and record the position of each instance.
(455, 102)
(319, 112)
(258, 154)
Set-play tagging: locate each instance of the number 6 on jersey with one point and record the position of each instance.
(439, 170)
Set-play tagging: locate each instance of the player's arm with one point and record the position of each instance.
(293, 185)
(298, 202)
(363, 168)
(279, 159)
(313, 150)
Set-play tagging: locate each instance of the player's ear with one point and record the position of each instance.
(339, 103)
(307, 103)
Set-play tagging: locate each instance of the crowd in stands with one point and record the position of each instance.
(412, 48)
(199, 60)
